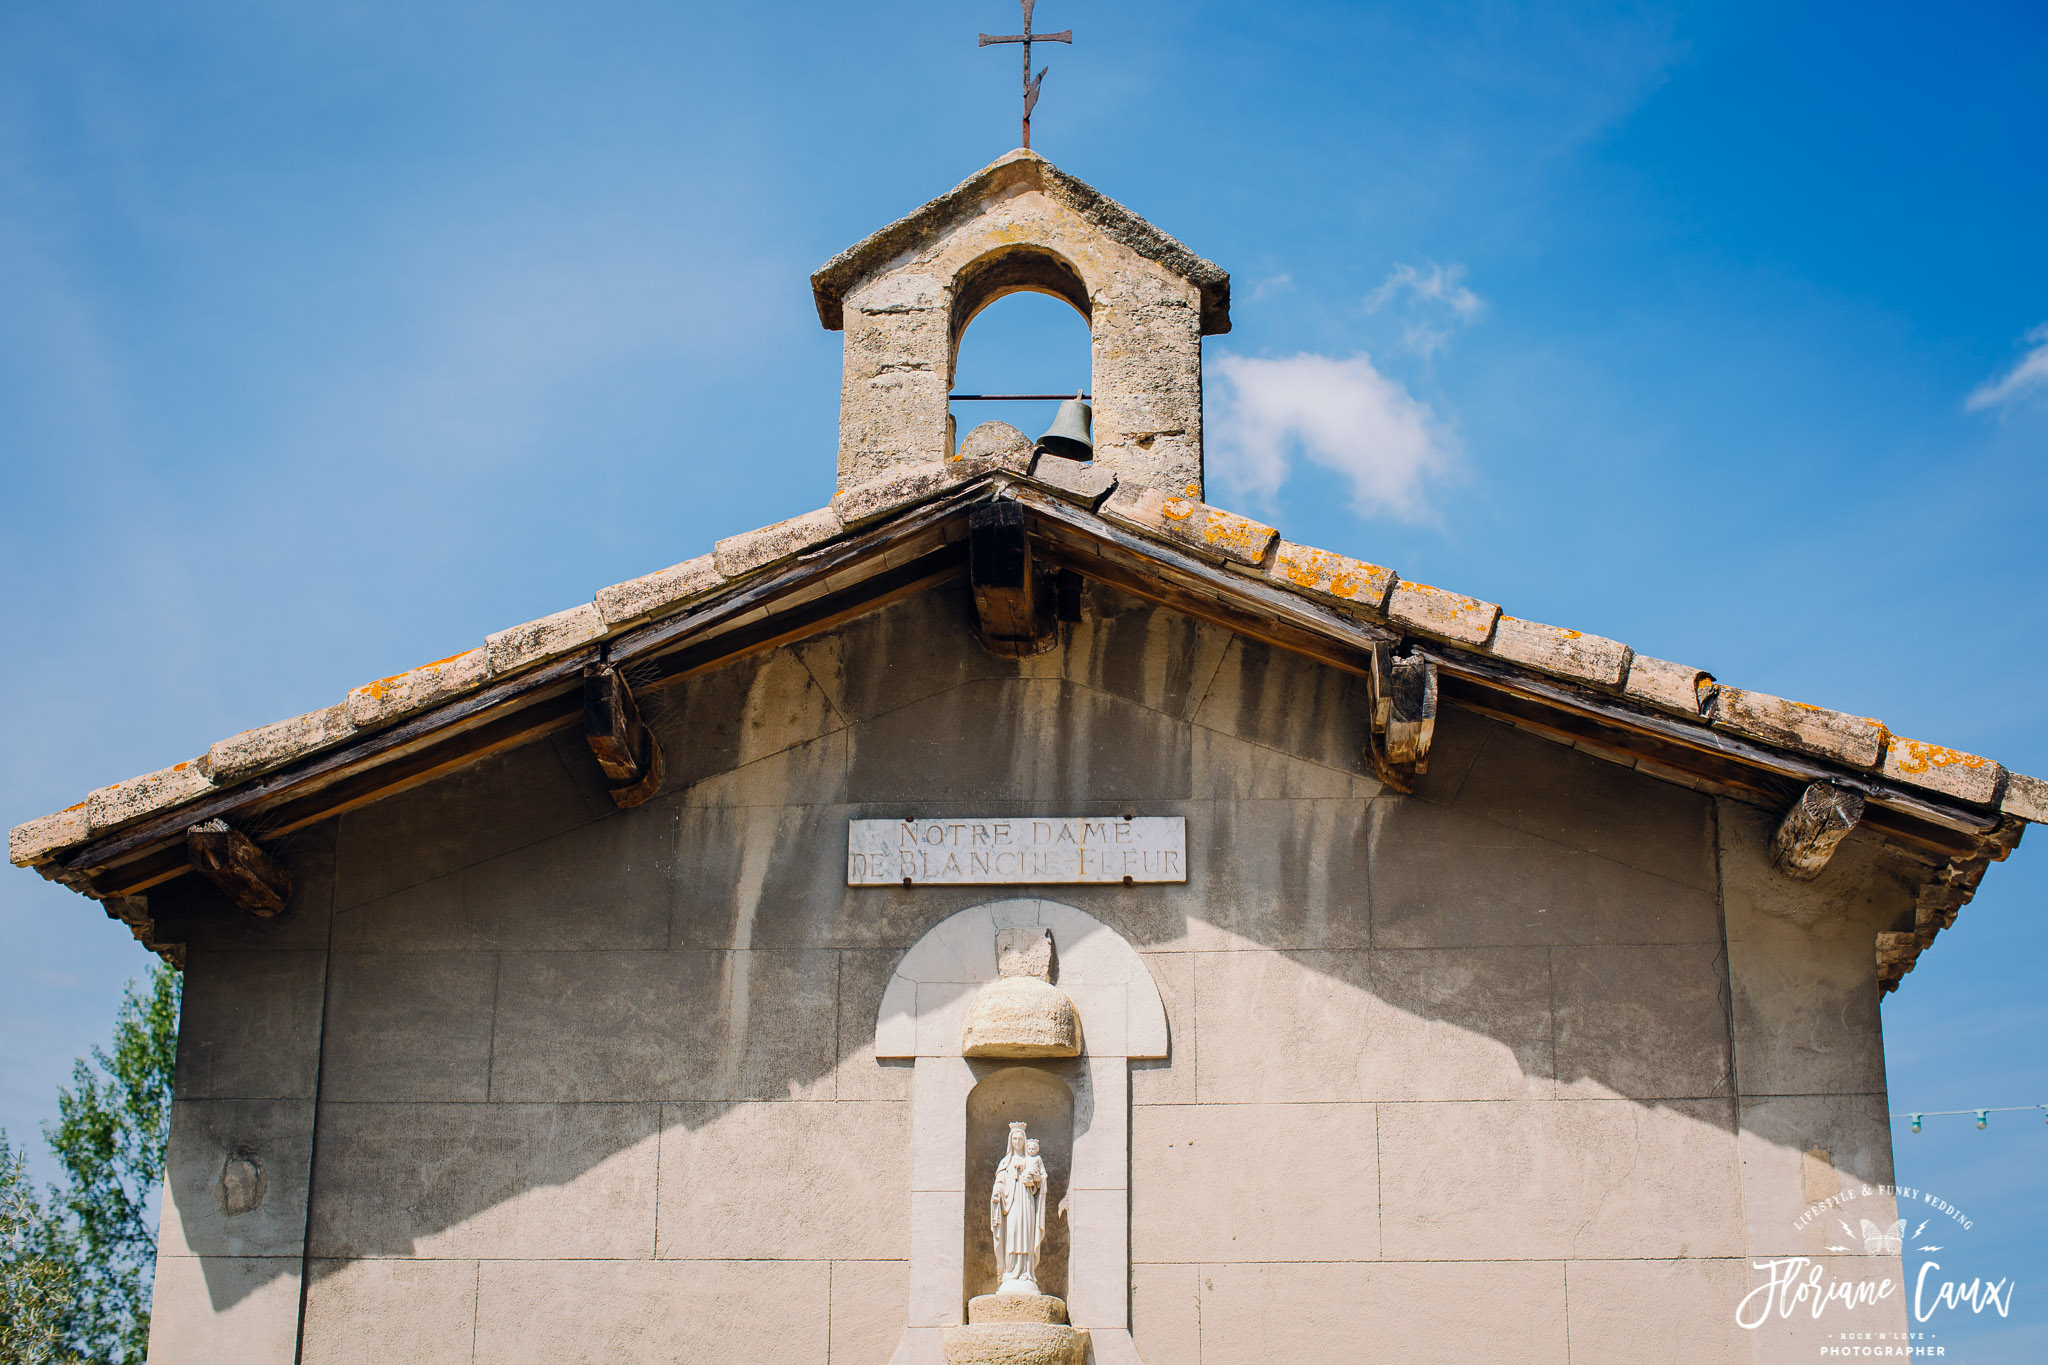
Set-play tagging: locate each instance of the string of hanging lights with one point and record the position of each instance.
(1983, 1115)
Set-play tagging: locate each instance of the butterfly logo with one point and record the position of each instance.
(1879, 1241)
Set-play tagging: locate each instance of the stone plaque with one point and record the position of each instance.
(1021, 849)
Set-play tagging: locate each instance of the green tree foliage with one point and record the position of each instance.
(35, 1286)
(109, 1138)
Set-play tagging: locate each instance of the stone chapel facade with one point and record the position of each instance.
(1441, 986)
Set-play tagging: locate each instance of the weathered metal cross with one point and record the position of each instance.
(1027, 37)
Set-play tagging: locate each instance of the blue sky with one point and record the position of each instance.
(338, 336)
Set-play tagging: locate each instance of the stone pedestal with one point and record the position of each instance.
(1016, 1329)
(1021, 1016)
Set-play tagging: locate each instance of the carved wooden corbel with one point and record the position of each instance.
(231, 860)
(1403, 692)
(1818, 821)
(620, 741)
(1012, 607)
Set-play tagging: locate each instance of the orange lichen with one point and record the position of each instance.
(383, 687)
(1228, 528)
(1180, 509)
(1300, 573)
(1914, 758)
(1322, 571)
(1455, 602)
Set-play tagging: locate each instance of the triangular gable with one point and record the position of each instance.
(873, 544)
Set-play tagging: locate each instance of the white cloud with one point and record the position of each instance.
(1271, 285)
(2027, 379)
(1342, 414)
(1433, 301)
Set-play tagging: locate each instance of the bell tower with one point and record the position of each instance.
(904, 296)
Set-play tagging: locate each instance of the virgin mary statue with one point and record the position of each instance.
(1016, 1213)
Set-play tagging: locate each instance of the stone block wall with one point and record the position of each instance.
(903, 330)
(1523, 1067)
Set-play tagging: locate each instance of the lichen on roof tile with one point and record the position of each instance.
(660, 591)
(272, 746)
(1947, 771)
(543, 639)
(1857, 741)
(906, 486)
(34, 841)
(402, 694)
(2026, 798)
(118, 803)
(1449, 615)
(1209, 531)
(1677, 688)
(1332, 577)
(1567, 653)
(751, 550)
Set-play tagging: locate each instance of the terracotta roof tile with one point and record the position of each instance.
(1946, 771)
(547, 638)
(1677, 688)
(1857, 741)
(117, 804)
(402, 694)
(658, 592)
(271, 746)
(1448, 615)
(751, 550)
(34, 840)
(1332, 577)
(1567, 653)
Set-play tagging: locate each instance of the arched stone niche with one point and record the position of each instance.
(923, 1015)
(1039, 1096)
(905, 295)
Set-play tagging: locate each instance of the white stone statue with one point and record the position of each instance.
(1016, 1213)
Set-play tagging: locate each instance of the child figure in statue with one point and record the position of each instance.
(1016, 1213)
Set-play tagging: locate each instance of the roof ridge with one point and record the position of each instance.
(1356, 588)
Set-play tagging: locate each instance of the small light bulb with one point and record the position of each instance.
(1916, 1120)
(1983, 1117)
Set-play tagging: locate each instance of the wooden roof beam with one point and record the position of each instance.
(245, 874)
(1814, 828)
(1404, 695)
(1012, 608)
(624, 747)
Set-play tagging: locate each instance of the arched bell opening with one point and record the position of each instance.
(1044, 1102)
(1020, 269)
(1009, 334)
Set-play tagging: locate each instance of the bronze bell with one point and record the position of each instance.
(1072, 433)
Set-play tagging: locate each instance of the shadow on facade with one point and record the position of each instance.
(540, 1027)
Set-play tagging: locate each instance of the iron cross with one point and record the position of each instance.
(1027, 37)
